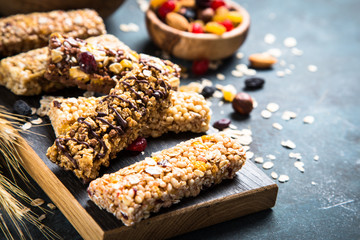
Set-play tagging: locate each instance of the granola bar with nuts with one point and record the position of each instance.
(24, 73)
(187, 112)
(134, 192)
(93, 67)
(23, 32)
(119, 117)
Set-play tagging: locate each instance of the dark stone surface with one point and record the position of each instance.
(328, 33)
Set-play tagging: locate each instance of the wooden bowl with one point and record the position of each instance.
(194, 46)
(103, 7)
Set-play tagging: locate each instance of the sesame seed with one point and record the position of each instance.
(266, 114)
(309, 119)
(272, 107)
(268, 165)
(274, 175)
(290, 42)
(277, 126)
(259, 160)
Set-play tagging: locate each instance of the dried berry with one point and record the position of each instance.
(222, 124)
(200, 67)
(87, 62)
(166, 8)
(197, 28)
(206, 15)
(138, 145)
(242, 103)
(215, 4)
(208, 91)
(254, 83)
(22, 108)
(228, 25)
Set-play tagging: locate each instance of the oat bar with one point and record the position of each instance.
(24, 73)
(75, 62)
(187, 112)
(20, 33)
(91, 142)
(133, 192)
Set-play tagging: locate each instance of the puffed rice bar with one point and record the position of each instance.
(20, 33)
(187, 112)
(91, 142)
(133, 192)
(92, 67)
(24, 73)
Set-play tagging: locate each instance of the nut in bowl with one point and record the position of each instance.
(198, 44)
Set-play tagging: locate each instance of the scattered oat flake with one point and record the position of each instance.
(246, 148)
(316, 157)
(245, 140)
(239, 55)
(42, 217)
(250, 72)
(287, 115)
(36, 121)
(280, 73)
(300, 166)
(313, 183)
(288, 144)
(282, 63)
(236, 73)
(277, 126)
(37, 202)
(288, 71)
(206, 82)
(51, 206)
(297, 52)
(220, 76)
(220, 103)
(259, 160)
(274, 175)
(297, 156)
(283, 178)
(272, 107)
(290, 42)
(268, 165)
(249, 155)
(275, 52)
(312, 68)
(131, 27)
(232, 126)
(269, 38)
(217, 94)
(309, 119)
(271, 157)
(241, 67)
(266, 114)
(26, 126)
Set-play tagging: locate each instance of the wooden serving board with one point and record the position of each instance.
(250, 191)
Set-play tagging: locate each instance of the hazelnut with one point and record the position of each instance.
(206, 15)
(243, 103)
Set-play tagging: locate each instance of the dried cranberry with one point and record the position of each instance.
(208, 91)
(166, 8)
(87, 62)
(138, 145)
(222, 124)
(217, 3)
(228, 25)
(200, 67)
(254, 83)
(197, 28)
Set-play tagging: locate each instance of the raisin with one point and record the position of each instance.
(222, 124)
(22, 108)
(87, 62)
(208, 91)
(138, 145)
(254, 83)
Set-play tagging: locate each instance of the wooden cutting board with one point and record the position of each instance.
(250, 191)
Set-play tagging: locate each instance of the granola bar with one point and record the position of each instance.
(24, 73)
(91, 142)
(20, 33)
(133, 192)
(187, 112)
(92, 67)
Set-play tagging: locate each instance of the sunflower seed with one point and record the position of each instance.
(283, 178)
(268, 165)
(274, 175)
(266, 114)
(259, 160)
(309, 119)
(288, 144)
(272, 107)
(277, 126)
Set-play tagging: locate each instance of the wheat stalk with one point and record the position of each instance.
(15, 210)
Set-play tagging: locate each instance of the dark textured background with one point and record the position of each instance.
(328, 33)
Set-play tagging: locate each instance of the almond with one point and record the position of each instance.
(262, 60)
(177, 21)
